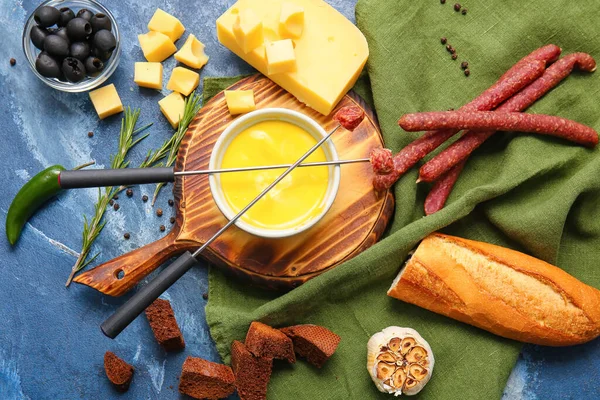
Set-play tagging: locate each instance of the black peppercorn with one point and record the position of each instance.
(457, 7)
(444, 40)
(443, 1)
(464, 11)
(129, 192)
(467, 72)
(126, 235)
(205, 296)
(464, 65)
(159, 212)
(172, 220)
(449, 48)
(116, 206)
(12, 62)
(116, 197)
(162, 228)
(144, 198)
(454, 56)
(171, 202)
(111, 202)
(90, 134)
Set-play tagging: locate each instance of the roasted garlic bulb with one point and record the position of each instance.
(399, 361)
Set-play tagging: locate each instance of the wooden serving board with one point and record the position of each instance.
(356, 220)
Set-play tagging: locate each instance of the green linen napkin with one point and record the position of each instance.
(534, 194)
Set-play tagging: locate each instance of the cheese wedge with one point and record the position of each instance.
(240, 101)
(330, 54)
(192, 53)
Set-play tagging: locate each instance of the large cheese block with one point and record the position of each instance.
(330, 53)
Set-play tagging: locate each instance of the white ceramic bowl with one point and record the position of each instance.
(250, 119)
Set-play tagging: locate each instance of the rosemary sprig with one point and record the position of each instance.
(93, 227)
(171, 145)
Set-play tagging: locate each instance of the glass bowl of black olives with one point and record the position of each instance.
(72, 45)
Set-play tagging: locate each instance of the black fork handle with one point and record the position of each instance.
(87, 178)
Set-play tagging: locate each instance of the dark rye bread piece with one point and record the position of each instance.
(313, 342)
(252, 373)
(264, 341)
(119, 373)
(202, 379)
(162, 321)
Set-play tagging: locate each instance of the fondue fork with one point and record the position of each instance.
(133, 176)
(168, 276)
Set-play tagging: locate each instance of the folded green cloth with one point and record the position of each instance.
(531, 193)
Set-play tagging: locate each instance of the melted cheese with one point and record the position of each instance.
(295, 200)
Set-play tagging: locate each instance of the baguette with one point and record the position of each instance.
(500, 290)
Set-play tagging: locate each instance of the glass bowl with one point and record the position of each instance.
(89, 82)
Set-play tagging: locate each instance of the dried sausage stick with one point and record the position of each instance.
(463, 147)
(441, 189)
(502, 121)
(518, 76)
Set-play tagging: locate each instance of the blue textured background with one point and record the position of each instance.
(50, 343)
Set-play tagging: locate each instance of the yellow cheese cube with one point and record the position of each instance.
(183, 81)
(248, 31)
(172, 107)
(192, 53)
(156, 46)
(291, 20)
(330, 54)
(148, 74)
(239, 101)
(106, 101)
(280, 57)
(164, 22)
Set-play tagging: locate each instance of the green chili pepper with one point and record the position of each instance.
(32, 195)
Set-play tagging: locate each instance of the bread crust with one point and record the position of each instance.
(500, 290)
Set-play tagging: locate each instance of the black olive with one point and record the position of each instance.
(62, 32)
(46, 16)
(47, 66)
(103, 55)
(37, 36)
(93, 65)
(80, 50)
(78, 29)
(66, 14)
(85, 14)
(73, 69)
(56, 46)
(105, 40)
(100, 21)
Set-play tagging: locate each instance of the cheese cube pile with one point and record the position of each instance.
(158, 45)
(328, 52)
